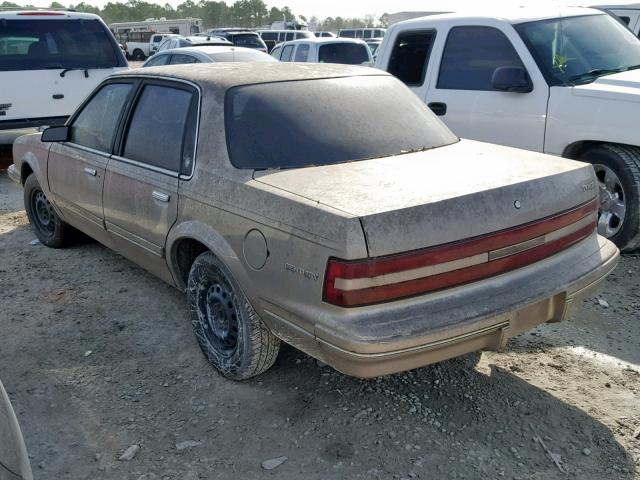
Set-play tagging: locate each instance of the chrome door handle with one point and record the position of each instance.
(162, 197)
(90, 171)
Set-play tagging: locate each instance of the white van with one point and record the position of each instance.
(49, 62)
(271, 38)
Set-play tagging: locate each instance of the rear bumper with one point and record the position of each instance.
(399, 336)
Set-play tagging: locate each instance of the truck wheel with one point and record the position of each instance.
(138, 55)
(230, 333)
(617, 168)
(47, 225)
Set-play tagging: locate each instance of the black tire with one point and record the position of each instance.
(624, 161)
(230, 333)
(47, 225)
(138, 55)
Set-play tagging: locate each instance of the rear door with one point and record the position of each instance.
(141, 182)
(48, 65)
(76, 168)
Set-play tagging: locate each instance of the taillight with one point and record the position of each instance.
(352, 283)
(41, 14)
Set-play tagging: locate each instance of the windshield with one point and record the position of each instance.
(575, 50)
(321, 122)
(347, 53)
(51, 44)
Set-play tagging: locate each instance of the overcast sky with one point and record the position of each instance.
(359, 8)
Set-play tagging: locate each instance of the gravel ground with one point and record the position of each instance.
(98, 356)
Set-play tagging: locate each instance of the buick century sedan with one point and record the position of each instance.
(320, 205)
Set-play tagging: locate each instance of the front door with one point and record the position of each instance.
(462, 92)
(76, 168)
(141, 182)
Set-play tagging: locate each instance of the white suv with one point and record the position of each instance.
(49, 62)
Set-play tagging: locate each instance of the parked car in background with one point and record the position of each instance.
(325, 34)
(277, 231)
(628, 14)
(157, 39)
(49, 62)
(136, 44)
(324, 50)
(373, 45)
(195, 41)
(14, 461)
(241, 38)
(363, 33)
(272, 38)
(207, 54)
(564, 81)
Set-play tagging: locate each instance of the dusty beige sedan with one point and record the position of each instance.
(14, 461)
(324, 206)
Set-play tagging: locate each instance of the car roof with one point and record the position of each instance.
(220, 77)
(507, 14)
(208, 49)
(28, 14)
(323, 40)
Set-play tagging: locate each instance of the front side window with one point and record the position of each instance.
(302, 53)
(267, 124)
(410, 56)
(275, 53)
(157, 127)
(96, 124)
(346, 53)
(574, 50)
(287, 51)
(471, 55)
(157, 59)
(53, 44)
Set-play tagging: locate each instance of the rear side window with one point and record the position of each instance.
(346, 53)
(290, 36)
(471, 55)
(157, 128)
(95, 126)
(302, 53)
(353, 118)
(179, 59)
(51, 44)
(157, 38)
(348, 34)
(156, 60)
(287, 51)
(270, 36)
(248, 40)
(410, 56)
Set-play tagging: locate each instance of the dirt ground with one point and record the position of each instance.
(97, 356)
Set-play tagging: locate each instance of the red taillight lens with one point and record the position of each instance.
(374, 280)
(39, 14)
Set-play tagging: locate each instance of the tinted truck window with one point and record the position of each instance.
(157, 128)
(95, 126)
(471, 55)
(347, 53)
(410, 56)
(47, 44)
(294, 124)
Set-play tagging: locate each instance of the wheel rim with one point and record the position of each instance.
(613, 209)
(220, 318)
(44, 214)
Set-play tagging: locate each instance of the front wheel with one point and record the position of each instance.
(47, 225)
(617, 169)
(230, 333)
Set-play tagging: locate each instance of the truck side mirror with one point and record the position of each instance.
(511, 79)
(55, 134)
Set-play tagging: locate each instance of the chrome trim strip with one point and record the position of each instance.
(419, 348)
(146, 166)
(569, 229)
(87, 149)
(130, 237)
(517, 248)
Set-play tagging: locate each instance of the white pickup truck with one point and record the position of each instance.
(557, 80)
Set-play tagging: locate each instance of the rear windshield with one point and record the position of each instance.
(348, 53)
(49, 44)
(248, 40)
(327, 121)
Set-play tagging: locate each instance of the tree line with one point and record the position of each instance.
(242, 13)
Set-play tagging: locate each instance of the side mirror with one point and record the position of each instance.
(511, 79)
(56, 134)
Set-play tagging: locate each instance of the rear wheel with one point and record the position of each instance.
(617, 168)
(230, 333)
(138, 55)
(47, 225)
